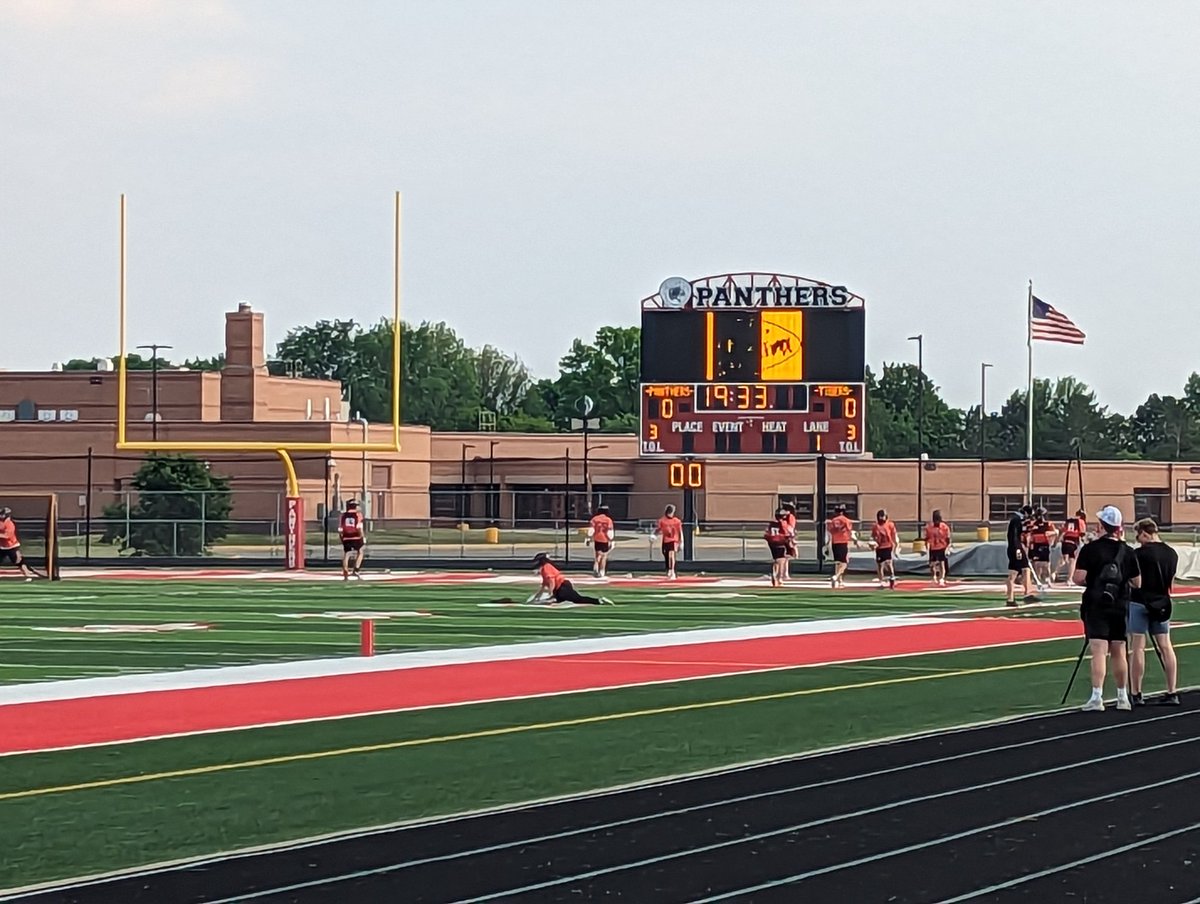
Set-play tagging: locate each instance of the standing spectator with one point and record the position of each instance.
(1150, 611)
(1108, 570)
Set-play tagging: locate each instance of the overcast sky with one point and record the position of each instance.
(559, 159)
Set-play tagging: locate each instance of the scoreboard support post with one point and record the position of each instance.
(819, 513)
(689, 523)
(567, 507)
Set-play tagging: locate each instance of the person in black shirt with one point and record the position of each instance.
(1150, 611)
(1105, 606)
(1018, 556)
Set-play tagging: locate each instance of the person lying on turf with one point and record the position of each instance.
(557, 588)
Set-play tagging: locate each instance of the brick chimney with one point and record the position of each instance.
(245, 347)
(245, 363)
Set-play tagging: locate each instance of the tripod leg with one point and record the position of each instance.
(1078, 662)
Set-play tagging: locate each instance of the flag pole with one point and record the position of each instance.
(1029, 399)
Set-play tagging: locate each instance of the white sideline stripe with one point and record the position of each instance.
(489, 700)
(611, 791)
(320, 668)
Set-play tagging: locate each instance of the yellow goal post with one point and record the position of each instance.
(282, 448)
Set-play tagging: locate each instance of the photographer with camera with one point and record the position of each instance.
(1150, 611)
(1108, 570)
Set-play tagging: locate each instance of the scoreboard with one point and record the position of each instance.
(752, 365)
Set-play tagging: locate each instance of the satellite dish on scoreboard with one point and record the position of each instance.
(586, 404)
(675, 291)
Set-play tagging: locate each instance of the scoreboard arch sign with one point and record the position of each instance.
(752, 365)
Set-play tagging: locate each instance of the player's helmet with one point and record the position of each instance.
(541, 559)
(881, 515)
(351, 505)
(5, 512)
(602, 510)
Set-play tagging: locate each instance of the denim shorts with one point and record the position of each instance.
(1139, 621)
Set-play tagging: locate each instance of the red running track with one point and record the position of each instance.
(53, 724)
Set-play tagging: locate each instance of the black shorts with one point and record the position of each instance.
(883, 555)
(352, 545)
(937, 555)
(1105, 624)
(841, 552)
(11, 555)
(1016, 560)
(602, 546)
(668, 547)
(1039, 552)
(778, 550)
(1069, 548)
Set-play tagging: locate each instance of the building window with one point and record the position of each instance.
(849, 500)
(1001, 506)
(1151, 502)
(448, 502)
(802, 501)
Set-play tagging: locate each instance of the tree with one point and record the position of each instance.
(214, 364)
(503, 380)
(1163, 428)
(182, 508)
(894, 410)
(607, 370)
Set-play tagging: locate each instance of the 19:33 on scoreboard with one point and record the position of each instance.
(752, 364)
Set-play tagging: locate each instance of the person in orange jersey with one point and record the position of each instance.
(885, 539)
(669, 532)
(777, 536)
(10, 544)
(557, 588)
(600, 535)
(1072, 537)
(789, 522)
(841, 535)
(937, 539)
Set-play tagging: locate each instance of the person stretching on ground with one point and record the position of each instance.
(1108, 570)
(1150, 612)
(557, 588)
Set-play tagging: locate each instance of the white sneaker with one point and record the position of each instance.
(1123, 704)
(605, 601)
(1094, 706)
(670, 575)
(833, 583)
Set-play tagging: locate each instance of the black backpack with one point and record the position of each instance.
(1106, 591)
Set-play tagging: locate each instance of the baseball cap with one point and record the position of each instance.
(1111, 515)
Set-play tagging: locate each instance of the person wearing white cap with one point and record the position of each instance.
(1107, 569)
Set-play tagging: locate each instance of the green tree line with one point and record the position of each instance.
(445, 384)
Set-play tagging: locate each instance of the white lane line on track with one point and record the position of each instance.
(649, 784)
(945, 839)
(1082, 861)
(842, 817)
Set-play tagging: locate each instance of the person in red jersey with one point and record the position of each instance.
(789, 522)
(557, 588)
(600, 534)
(669, 532)
(937, 539)
(351, 533)
(841, 535)
(778, 536)
(1072, 537)
(885, 539)
(1041, 538)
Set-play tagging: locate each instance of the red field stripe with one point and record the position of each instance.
(125, 717)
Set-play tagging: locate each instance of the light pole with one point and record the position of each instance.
(983, 510)
(493, 497)
(154, 386)
(920, 340)
(462, 499)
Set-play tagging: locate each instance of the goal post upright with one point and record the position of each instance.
(294, 515)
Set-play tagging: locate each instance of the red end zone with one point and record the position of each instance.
(52, 724)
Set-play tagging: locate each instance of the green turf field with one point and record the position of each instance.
(72, 813)
(251, 624)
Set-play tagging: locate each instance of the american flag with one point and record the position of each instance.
(1053, 326)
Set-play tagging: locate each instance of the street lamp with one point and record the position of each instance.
(154, 386)
(462, 498)
(493, 509)
(920, 340)
(983, 511)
